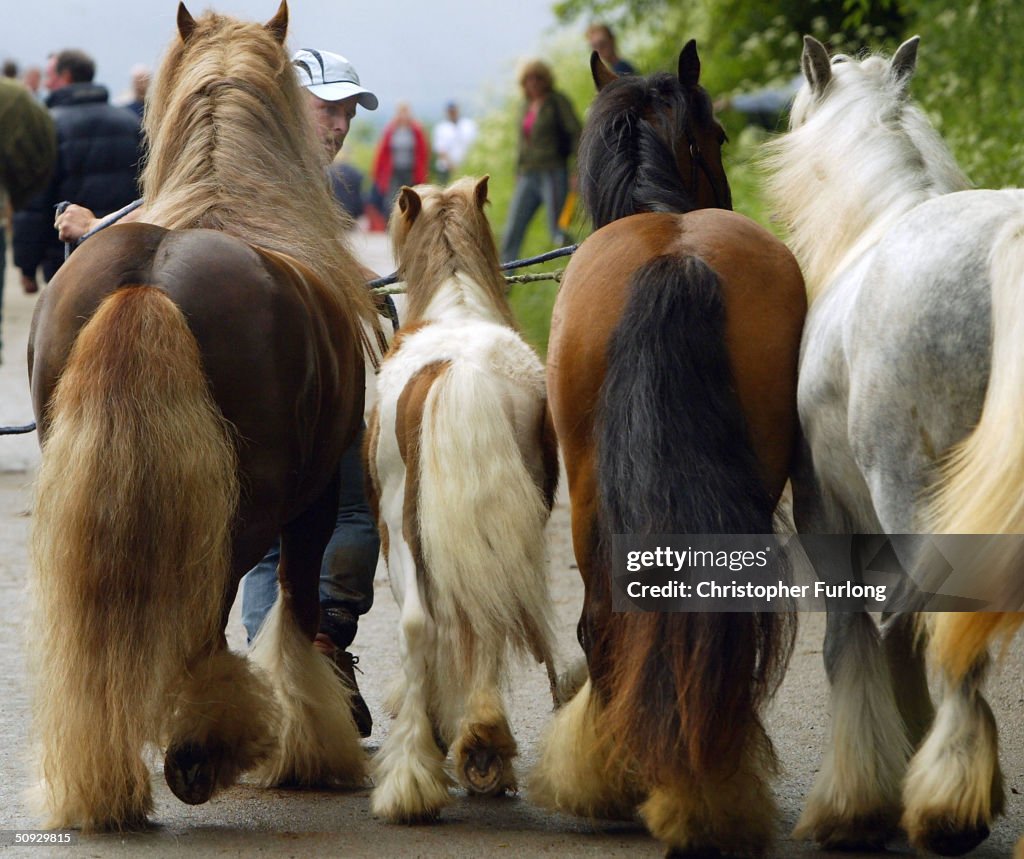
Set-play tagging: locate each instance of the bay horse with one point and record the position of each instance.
(910, 409)
(672, 388)
(462, 467)
(195, 380)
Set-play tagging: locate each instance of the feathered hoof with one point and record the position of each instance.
(942, 835)
(860, 832)
(190, 773)
(418, 803)
(413, 793)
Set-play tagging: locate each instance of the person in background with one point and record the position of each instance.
(28, 150)
(32, 78)
(141, 76)
(602, 40)
(10, 69)
(451, 140)
(767, 107)
(549, 132)
(98, 153)
(347, 182)
(402, 156)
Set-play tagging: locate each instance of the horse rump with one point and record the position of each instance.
(131, 542)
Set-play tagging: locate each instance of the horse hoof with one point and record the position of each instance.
(190, 774)
(943, 838)
(483, 770)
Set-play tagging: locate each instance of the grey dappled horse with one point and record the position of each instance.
(910, 404)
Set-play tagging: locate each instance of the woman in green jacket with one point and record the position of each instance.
(549, 132)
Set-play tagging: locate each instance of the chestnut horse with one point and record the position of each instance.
(195, 381)
(672, 385)
(463, 468)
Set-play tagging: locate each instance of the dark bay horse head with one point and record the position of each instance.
(651, 144)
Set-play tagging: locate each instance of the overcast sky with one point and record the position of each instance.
(422, 51)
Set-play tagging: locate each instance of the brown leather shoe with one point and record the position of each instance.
(346, 664)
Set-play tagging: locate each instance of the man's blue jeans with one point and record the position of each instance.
(346, 575)
(533, 188)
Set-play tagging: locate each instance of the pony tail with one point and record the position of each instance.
(131, 546)
(979, 491)
(675, 457)
(482, 531)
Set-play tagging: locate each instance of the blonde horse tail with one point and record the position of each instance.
(980, 488)
(131, 545)
(484, 514)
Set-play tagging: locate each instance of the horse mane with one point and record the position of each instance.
(627, 154)
(856, 159)
(231, 146)
(449, 239)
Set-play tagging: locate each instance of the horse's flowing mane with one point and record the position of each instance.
(449, 240)
(627, 155)
(231, 147)
(856, 158)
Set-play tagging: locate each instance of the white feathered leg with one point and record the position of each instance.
(409, 769)
(954, 787)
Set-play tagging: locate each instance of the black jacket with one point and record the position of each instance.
(98, 153)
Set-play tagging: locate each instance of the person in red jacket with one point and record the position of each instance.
(403, 156)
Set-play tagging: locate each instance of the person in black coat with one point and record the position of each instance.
(98, 153)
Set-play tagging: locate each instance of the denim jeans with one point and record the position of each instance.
(533, 188)
(349, 563)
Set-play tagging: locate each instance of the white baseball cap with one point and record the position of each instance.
(331, 77)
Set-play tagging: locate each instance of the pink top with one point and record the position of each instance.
(528, 120)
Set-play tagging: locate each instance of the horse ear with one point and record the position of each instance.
(186, 23)
(480, 191)
(409, 203)
(689, 65)
(904, 61)
(815, 65)
(278, 25)
(601, 74)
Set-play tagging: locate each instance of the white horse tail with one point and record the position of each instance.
(482, 514)
(981, 490)
(131, 546)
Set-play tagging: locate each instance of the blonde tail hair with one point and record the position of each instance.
(482, 521)
(131, 549)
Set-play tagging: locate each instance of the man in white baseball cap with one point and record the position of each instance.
(334, 90)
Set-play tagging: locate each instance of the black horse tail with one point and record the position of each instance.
(681, 690)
